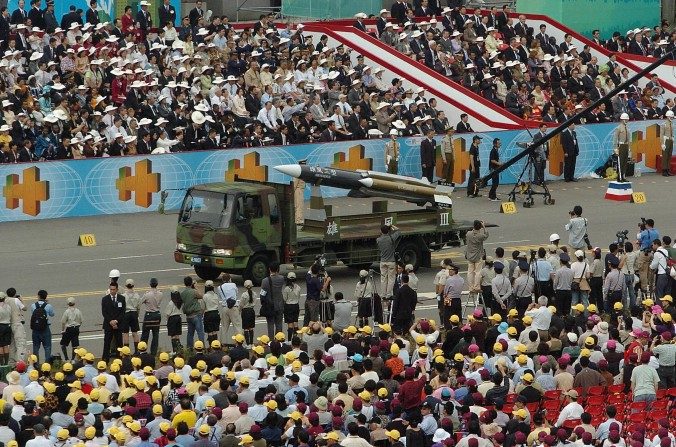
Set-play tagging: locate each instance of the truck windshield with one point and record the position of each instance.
(210, 209)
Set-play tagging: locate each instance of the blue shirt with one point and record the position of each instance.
(647, 237)
(290, 396)
(543, 270)
(48, 309)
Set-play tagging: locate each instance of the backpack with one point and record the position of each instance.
(39, 317)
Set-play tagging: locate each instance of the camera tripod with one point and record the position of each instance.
(371, 293)
(525, 184)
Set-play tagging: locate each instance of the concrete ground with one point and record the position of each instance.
(45, 255)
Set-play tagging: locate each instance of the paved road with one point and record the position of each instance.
(44, 254)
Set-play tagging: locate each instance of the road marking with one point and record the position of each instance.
(103, 259)
(156, 271)
(506, 242)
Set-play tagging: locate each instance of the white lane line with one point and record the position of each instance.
(156, 271)
(103, 259)
(506, 242)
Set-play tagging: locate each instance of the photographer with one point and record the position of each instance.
(474, 254)
(645, 238)
(628, 267)
(542, 272)
(316, 284)
(577, 230)
(387, 245)
(647, 234)
(660, 265)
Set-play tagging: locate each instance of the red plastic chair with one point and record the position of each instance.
(637, 407)
(661, 404)
(570, 424)
(551, 405)
(596, 391)
(656, 415)
(507, 408)
(661, 393)
(582, 395)
(511, 398)
(616, 399)
(620, 410)
(596, 421)
(636, 418)
(616, 389)
(552, 416)
(671, 392)
(596, 400)
(552, 395)
(595, 410)
(533, 407)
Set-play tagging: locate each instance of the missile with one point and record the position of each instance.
(364, 183)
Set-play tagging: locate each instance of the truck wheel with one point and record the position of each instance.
(257, 269)
(410, 253)
(207, 273)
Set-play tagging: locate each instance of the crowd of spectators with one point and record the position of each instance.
(526, 71)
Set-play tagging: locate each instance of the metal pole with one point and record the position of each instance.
(481, 182)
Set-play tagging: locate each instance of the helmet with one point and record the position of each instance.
(554, 237)
(114, 273)
(669, 114)
(624, 116)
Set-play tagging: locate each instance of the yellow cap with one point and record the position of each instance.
(592, 308)
(157, 409)
(454, 319)
(279, 336)
(365, 395)
(140, 385)
(246, 439)
(438, 352)
(259, 350)
(124, 350)
(95, 394)
(89, 357)
(420, 340)
(114, 367)
(179, 362)
(49, 387)
(59, 376)
(101, 365)
(120, 437)
(239, 338)
(147, 370)
(459, 357)
(201, 365)
(195, 374)
(527, 320)
(216, 372)
(215, 344)
(512, 313)
(385, 327)
(272, 360)
(394, 434)
(76, 385)
(668, 298)
(135, 361)
(90, 432)
(33, 375)
(244, 380)
(496, 318)
(666, 317)
(521, 348)
(80, 373)
(204, 430)
(62, 434)
(67, 367)
(39, 399)
(142, 346)
(12, 443)
(648, 302)
(350, 330)
(113, 431)
(522, 359)
(394, 349)
(423, 350)
(33, 358)
(511, 330)
(176, 379)
(164, 426)
(579, 307)
(618, 306)
(207, 379)
(328, 331)
(18, 396)
(332, 436)
(296, 415)
(528, 377)
(46, 367)
(198, 345)
(520, 413)
(296, 365)
(164, 357)
(151, 380)
(290, 356)
(479, 360)
(584, 352)
(589, 341)
(127, 419)
(262, 339)
(382, 392)
(271, 404)
(80, 352)
(439, 359)
(497, 347)
(230, 375)
(101, 379)
(134, 426)
(157, 396)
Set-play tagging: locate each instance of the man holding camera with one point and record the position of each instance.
(660, 265)
(645, 238)
(474, 254)
(577, 229)
(387, 245)
(316, 284)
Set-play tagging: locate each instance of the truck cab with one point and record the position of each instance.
(235, 227)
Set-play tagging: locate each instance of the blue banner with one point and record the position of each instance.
(94, 187)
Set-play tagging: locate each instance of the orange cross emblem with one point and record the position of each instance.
(648, 147)
(32, 191)
(556, 156)
(252, 169)
(461, 163)
(355, 159)
(143, 184)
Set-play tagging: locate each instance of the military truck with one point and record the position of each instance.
(241, 227)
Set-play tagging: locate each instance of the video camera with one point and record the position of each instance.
(320, 261)
(622, 237)
(532, 254)
(642, 224)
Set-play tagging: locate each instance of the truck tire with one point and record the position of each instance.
(257, 269)
(410, 253)
(207, 273)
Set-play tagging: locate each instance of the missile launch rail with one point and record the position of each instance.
(241, 227)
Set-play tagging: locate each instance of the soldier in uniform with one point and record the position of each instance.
(622, 145)
(541, 154)
(667, 142)
(439, 283)
(130, 323)
(392, 153)
(447, 155)
(299, 198)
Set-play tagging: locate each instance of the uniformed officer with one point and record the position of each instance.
(392, 153)
(523, 288)
(622, 145)
(212, 317)
(299, 198)
(70, 328)
(540, 155)
(439, 284)
(152, 318)
(130, 323)
(667, 142)
(447, 155)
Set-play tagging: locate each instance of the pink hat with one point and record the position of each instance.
(612, 344)
(478, 313)
(656, 309)
(473, 348)
(424, 325)
(542, 359)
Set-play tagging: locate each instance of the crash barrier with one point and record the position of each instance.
(102, 186)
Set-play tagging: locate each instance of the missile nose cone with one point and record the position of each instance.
(291, 170)
(368, 182)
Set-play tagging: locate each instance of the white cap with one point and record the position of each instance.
(554, 237)
(625, 116)
(394, 132)
(669, 114)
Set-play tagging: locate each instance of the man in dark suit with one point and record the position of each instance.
(20, 14)
(570, 152)
(35, 14)
(113, 307)
(329, 134)
(143, 17)
(196, 14)
(381, 22)
(398, 11)
(463, 126)
(166, 13)
(403, 305)
(427, 155)
(4, 27)
(359, 23)
(636, 46)
(92, 15)
(502, 17)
